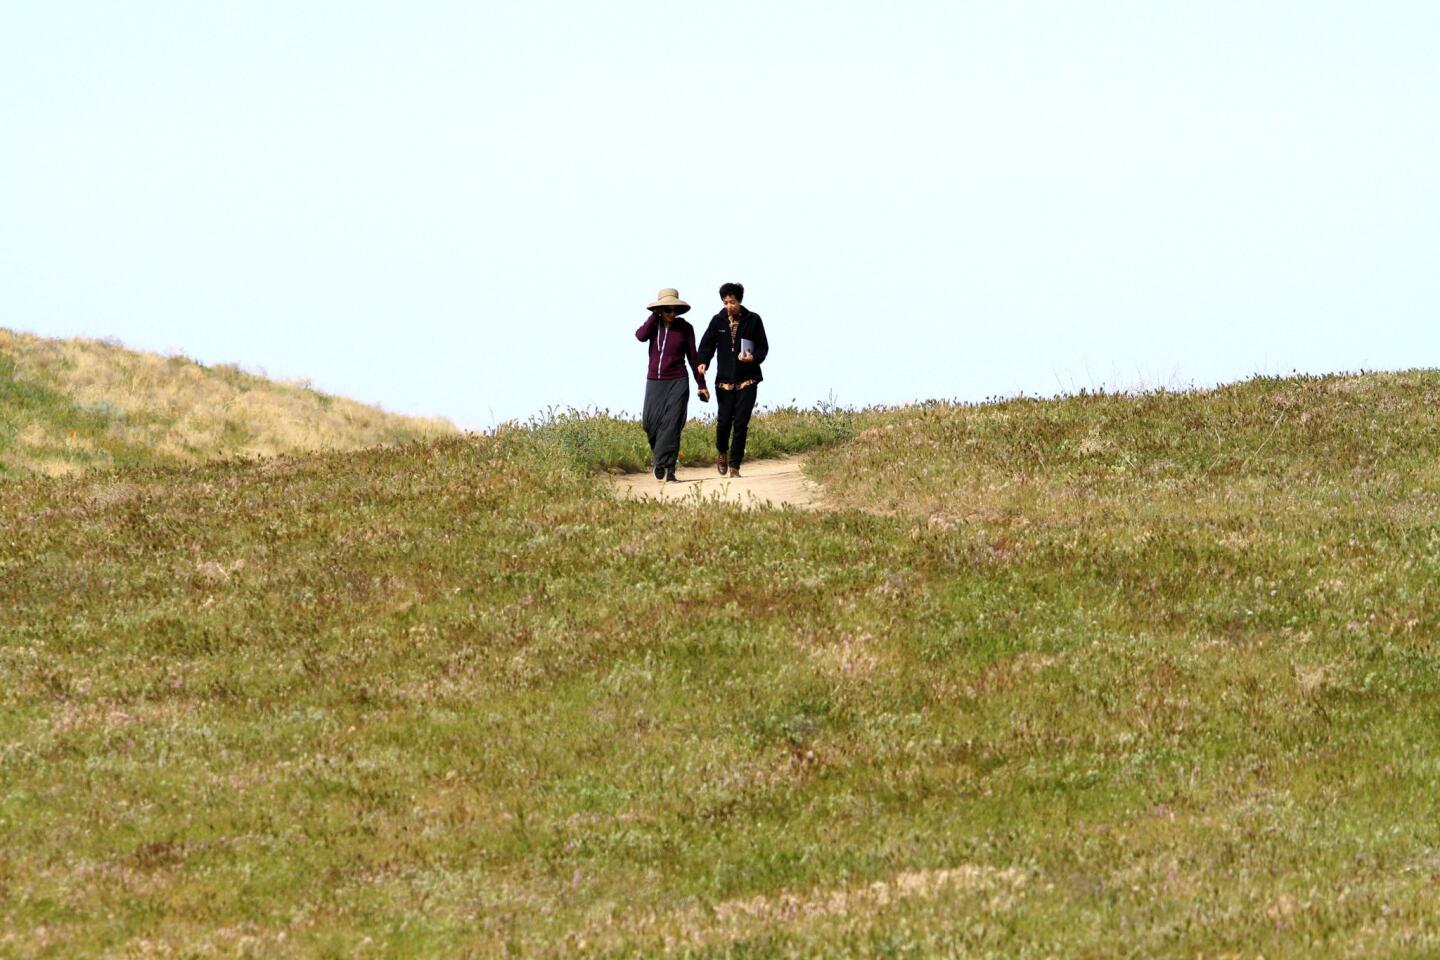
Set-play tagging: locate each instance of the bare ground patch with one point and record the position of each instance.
(762, 483)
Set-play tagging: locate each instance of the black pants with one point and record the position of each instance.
(735, 407)
(664, 417)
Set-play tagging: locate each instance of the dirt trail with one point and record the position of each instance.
(762, 482)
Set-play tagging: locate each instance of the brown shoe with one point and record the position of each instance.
(722, 463)
(735, 470)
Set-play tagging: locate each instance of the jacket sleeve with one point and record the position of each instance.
(647, 329)
(694, 358)
(762, 344)
(707, 344)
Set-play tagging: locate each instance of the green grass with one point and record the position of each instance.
(1097, 676)
(599, 440)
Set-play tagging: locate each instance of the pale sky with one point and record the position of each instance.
(462, 208)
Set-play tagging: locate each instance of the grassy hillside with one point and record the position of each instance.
(1101, 677)
(70, 405)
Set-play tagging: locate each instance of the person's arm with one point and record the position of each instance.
(647, 329)
(707, 348)
(761, 345)
(694, 360)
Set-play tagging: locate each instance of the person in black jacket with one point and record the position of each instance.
(736, 339)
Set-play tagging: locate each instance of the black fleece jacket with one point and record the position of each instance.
(716, 343)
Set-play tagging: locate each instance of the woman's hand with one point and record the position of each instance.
(745, 357)
(701, 369)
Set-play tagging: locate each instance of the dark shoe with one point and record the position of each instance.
(659, 472)
(670, 476)
(722, 463)
(735, 470)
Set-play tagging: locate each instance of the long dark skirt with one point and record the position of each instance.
(664, 417)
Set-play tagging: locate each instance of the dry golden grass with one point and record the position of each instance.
(109, 404)
(970, 890)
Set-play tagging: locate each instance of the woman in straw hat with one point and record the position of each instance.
(672, 345)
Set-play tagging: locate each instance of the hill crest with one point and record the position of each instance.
(68, 405)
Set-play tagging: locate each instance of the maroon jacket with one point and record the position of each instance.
(670, 348)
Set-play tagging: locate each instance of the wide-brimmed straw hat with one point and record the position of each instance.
(669, 297)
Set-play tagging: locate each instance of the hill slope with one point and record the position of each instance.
(68, 405)
(1101, 676)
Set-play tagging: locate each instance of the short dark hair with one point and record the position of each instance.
(736, 290)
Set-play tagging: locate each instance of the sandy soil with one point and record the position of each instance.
(762, 483)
